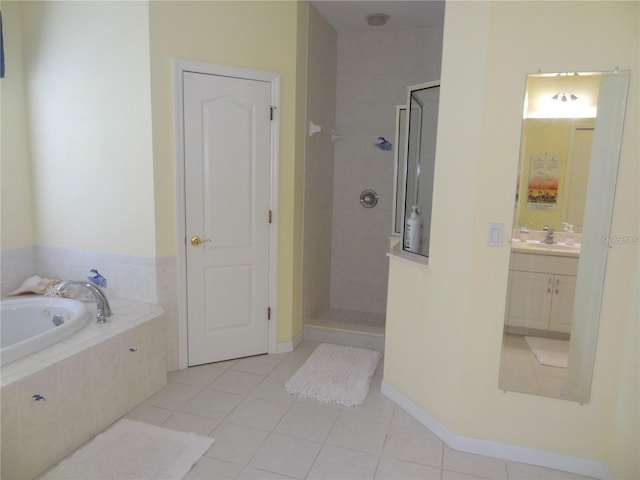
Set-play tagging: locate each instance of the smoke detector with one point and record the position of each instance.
(377, 19)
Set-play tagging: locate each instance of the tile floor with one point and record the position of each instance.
(521, 372)
(261, 432)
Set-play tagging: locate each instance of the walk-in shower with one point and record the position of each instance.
(355, 82)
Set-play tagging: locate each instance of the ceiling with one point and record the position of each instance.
(348, 16)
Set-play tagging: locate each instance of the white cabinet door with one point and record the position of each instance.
(529, 300)
(564, 290)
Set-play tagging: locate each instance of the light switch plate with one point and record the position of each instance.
(494, 234)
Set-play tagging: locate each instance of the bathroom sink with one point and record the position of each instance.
(537, 248)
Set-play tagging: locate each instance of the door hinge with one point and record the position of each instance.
(270, 216)
(268, 313)
(271, 109)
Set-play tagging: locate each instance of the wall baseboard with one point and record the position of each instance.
(286, 347)
(541, 458)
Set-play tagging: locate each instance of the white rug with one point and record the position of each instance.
(335, 374)
(549, 351)
(131, 450)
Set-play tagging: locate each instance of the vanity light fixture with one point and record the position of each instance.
(564, 97)
(377, 19)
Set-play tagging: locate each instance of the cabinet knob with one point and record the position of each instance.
(557, 285)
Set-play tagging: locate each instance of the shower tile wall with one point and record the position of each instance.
(321, 105)
(374, 69)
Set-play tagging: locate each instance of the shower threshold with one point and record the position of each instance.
(347, 327)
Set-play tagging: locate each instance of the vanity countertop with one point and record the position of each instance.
(537, 248)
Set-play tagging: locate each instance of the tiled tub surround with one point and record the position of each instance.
(144, 279)
(133, 277)
(56, 399)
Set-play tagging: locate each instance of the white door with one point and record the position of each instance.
(577, 176)
(227, 143)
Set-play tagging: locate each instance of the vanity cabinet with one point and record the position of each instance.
(541, 292)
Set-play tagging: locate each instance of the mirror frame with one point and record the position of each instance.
(595, 240)
(399, 165)
(425, 213)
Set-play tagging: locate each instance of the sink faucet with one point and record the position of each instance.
(102, 304)
(549, 238)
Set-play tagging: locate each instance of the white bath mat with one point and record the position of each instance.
(549, 351)
(335, 374)
(131, 450)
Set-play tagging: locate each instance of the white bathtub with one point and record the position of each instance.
(27, 324)
(88, 380)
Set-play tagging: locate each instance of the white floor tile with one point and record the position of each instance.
(261, 432)
(150, 414)
(213, 404)
(393, 469)
(199, 376)
(375, 407)
(286, 455)
(213, 469)
(477, 465)
(414, 445)
(286, 368)
(335, 463)
(256, 474)
(309, 423)
(186, 422)
(173, 396)
(258, 413)
(260, 365)
(449, 475)
(236, 382)
(272, 389)
(236, 443)
(364, 435)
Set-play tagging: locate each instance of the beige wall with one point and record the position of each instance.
(96, 121)
(89, 119)
(548, 136)
(266, 36)
(18, 223)
(444, 322)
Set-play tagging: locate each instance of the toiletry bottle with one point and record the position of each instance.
(412, 231)
(569, 240)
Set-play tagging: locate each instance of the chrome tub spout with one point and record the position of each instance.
(102, 304)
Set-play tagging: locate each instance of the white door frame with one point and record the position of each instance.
(180, 66)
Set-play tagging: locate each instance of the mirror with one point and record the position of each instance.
(565, 188)
(420, 151)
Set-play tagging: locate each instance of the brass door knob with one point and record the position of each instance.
(196, 240)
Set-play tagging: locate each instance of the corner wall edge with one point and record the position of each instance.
(478, 446)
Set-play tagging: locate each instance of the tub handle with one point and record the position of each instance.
(38, 397)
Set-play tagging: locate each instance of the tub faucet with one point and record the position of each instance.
(549, 238)
(102, 304)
